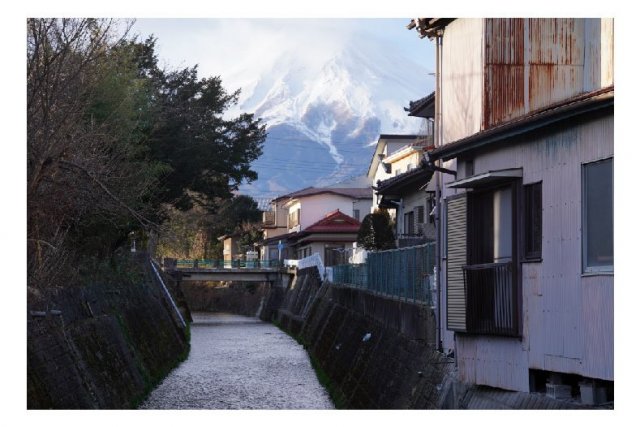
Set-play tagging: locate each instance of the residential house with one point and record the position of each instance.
(331, 237)
(274, 226)
(524, 118)
(303, 209)
(408, 192)
(379, 167)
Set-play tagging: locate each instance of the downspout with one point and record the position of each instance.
(438, 143)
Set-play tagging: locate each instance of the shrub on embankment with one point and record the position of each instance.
(371, 352)
(105, 345)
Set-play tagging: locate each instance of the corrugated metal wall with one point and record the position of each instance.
(462, 79)
(556, 60)
(567, 317)
(504, 70)
(497, 69)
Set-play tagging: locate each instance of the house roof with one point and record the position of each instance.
(334, 222)
(423, 107)
(398, 183)
(354, 193)
(429, 27)
(375, 161)
(567, 109)
(335, 226)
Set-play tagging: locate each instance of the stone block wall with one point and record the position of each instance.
(377, 352)
(103, 346)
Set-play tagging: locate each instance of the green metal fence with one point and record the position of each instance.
(403, 273)
(220, 263)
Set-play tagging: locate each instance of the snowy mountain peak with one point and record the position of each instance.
(322, 115)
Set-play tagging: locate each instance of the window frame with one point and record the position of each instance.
(599, 269)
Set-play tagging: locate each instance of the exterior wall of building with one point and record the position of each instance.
(272, 232)
(314, 208)
(388, 149)
(567, 316)
(404, 160)
(362, 205)
(462, 78)
(410, 202)
(230, 248)
(495, 70)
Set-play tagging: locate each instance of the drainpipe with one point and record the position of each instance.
(438, 143)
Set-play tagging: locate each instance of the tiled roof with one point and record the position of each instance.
(423, 107)
(355, 193)
(419, 174)
(334, 222)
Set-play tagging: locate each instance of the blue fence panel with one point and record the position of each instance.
(402, 273)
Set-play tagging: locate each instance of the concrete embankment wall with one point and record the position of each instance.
(237, 298)
(377, 352)
(103, 346)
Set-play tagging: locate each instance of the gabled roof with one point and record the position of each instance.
(354, 193)
(334, 222)
(429, 27)
(394, 185)
(423, 107)
(375, 161)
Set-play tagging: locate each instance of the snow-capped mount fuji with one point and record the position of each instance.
(323, 115)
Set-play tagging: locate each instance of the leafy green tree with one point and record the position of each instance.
(209, 154)
(376, 231)
(115, 144)
(194, 233)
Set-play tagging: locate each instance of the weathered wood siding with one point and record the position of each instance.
(567, 317)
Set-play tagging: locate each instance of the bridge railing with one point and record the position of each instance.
(225, 263)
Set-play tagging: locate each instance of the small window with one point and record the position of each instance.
(356, 214)
(419, 214)
(533, 221)
(597, 216)
(408, 223)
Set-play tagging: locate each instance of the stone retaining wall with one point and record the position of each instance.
(377, 352)
(103, 346)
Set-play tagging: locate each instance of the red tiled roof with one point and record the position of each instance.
(334, 222)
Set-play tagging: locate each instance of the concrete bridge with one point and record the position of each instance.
(211, 271)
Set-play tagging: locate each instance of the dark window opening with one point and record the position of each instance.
(419, 210)
(490, 277)
(409, 223)
(532, 221)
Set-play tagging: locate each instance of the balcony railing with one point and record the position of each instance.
(491, 299)
(407, 240)
(268, 218)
